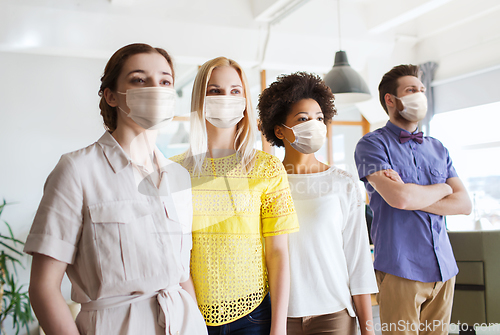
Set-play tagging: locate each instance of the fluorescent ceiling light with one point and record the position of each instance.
(408, 16)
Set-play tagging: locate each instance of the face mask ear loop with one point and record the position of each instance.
(122, 110)
(128, 114)
(293, 134)
(397, 110)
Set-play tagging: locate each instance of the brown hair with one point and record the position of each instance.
(389, 83)
(112, 72)
(276, 101)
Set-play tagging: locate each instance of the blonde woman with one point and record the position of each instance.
(241, 206)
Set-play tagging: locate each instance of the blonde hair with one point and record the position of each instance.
(246, 128)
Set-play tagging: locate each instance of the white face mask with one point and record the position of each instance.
(151, 107)
(309, 136)
(415, 106)
(224, 111)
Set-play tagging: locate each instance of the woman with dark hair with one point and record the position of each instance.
(116, 216)
(330, 261)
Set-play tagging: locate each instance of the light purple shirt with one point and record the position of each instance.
(408, 244)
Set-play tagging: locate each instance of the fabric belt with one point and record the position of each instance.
(167, 318)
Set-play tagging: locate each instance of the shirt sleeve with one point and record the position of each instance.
(58, 222)
(370, 156)
(277, 210)
(449, 166)
(356, 245)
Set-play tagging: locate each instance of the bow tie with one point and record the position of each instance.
(405, 137)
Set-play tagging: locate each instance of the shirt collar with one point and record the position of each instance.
(119, 160)
(396, 130)
(114, 153)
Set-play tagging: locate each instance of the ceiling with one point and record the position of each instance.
(279, 36)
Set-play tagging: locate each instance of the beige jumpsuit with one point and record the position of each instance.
(127, 242)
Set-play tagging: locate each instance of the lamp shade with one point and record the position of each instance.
(345, 83)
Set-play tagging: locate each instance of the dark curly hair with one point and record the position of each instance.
(276, 101)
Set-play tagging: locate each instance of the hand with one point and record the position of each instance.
(448, 188)
(393, 175)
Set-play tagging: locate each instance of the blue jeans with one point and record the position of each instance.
(258, 322)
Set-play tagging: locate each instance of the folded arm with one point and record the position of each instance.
(407, 196)
(46, 298)
(456, 203)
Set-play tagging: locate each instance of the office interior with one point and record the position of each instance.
(53, 53)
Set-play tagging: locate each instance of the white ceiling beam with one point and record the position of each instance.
(394, 20)
(273, 11)
(469, 47)
(443, 20)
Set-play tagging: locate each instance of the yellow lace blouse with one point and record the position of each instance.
(232, 213)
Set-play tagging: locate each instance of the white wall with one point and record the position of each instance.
(48, 106)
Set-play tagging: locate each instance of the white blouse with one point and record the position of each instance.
(330, 258)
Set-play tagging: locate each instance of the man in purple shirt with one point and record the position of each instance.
(411, 183)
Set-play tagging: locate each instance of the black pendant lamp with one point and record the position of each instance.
(346, 84)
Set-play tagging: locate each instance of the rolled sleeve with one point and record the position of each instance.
(370, 157)
(278, 212)
(50, 246)
(58, 222)
(449, 165)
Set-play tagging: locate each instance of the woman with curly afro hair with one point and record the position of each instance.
(331, 271)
